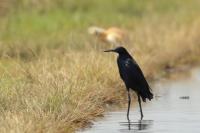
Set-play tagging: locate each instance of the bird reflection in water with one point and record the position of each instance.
(137, 125)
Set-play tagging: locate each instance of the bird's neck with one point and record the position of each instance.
(124, 55)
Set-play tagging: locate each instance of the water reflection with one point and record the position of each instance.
(136, 125)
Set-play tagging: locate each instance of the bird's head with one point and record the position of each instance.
(95, 30)
(119, 50)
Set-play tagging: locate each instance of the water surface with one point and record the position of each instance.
(175, 109)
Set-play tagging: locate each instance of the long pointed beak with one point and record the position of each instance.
(110, 50)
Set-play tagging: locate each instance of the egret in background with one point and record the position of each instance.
(112, 35)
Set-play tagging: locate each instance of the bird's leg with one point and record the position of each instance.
(139, 100)
(129, 125)
(129, 103)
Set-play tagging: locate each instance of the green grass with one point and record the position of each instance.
(52, 73)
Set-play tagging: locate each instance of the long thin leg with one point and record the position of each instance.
(140, 106)
(129, 125)
(129, 103)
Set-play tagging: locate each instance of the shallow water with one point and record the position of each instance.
(175, 109)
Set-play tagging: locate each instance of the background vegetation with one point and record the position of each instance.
(54, 77)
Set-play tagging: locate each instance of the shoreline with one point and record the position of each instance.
(174, 73)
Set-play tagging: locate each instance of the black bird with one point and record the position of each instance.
(132, 76)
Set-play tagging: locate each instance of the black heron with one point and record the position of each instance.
(132, 76)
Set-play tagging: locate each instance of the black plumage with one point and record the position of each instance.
(132, 76)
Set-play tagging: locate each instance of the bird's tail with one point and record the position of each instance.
(148, 94)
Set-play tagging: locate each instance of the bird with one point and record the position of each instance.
(133, 77)
(112, 35)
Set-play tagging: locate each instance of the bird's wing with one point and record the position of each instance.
(133, 75)
(137, 76)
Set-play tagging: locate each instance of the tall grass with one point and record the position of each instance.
(55, 77)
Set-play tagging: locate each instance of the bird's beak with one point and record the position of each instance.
(110, 50)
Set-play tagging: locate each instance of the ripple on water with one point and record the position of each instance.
(136, 125)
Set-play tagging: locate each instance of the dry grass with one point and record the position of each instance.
(55, 78)
(52, 95)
